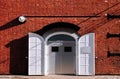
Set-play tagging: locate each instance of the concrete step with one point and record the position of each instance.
(58, 77)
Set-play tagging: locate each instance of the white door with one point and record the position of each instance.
(61, 55)
(36, 54)
(54, 57)
(85, 55)
(68, 57)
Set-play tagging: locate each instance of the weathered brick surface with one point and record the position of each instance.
(11, 33)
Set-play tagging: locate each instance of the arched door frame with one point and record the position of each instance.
(88, 48)
(73, 35)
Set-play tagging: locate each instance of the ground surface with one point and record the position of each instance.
(58, 77)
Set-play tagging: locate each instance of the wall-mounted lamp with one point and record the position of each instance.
(22, 19)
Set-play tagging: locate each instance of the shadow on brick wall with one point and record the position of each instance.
(18, 56)
(19, 49)
(10, 24)
(57, 25)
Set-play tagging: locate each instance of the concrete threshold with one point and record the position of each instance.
(59, 77)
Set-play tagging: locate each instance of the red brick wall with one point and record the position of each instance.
(11, 33)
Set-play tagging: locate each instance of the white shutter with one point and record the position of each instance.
(36, 57)
(86, 55)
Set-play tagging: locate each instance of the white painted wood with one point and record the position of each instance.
(86, 50)
(47, 35)
(36, 54)
(86, 62)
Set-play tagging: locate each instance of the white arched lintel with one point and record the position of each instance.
(74, 35)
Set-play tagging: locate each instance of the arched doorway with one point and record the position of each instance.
(61, 51)
(66, 39)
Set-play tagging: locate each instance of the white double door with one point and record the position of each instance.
(61, 57)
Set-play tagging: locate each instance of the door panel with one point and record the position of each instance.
(85, 57)
(54, 57)
(62, 57)
(36, 51)
(68, 58)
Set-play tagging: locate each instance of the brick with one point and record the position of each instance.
(10, 35)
